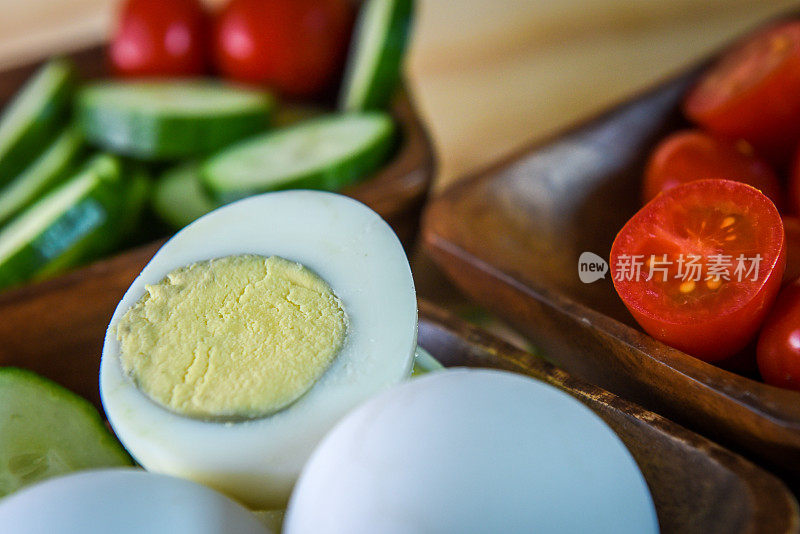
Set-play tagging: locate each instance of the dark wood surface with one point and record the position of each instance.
(511, 237)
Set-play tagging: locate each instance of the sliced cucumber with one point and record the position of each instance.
(272, 519)
(425, 363)
(34, 116)
(179, 198)
(136, 197)
(326, 153)
(43, 174)
(376, 55)
(168, 120)
(76, 221)
(293, 113)
(46, 431)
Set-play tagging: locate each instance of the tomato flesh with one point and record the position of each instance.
(734, 234)
(160, 38)
(778, 352)
(692, 155)
(297, 47)
(753, 93)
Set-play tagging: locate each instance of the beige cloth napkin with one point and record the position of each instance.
(489, 76)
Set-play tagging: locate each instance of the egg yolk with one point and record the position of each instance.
(232, 338)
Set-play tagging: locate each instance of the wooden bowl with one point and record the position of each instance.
(697, 486)
(57, 329)
(397, 192)
(511, 237)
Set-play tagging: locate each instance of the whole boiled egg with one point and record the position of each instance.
(471, 451)
(123, 501)
(251, 333)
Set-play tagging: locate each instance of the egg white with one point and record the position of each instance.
(352, 249)
(123, 501)
(471, 451)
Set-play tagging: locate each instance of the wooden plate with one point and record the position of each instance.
(57, 329)
(511, 238)
(397, 191)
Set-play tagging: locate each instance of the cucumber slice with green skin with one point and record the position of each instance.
(376, 56)
(49, 169)
(424, 363)
(34, 117)
(179, 198)
(326, 153)
(168, 120)
(138, 188)
(78, 220)
(46, 431)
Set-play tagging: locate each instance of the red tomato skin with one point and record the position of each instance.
(297, 47)
(778, 352)
(791, 226)
(691, 155)
(765, 112)
(793, 195)
(160, 38)
(724, 333)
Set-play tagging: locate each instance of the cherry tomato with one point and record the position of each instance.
(778, 352)
(160, 38)
(743, 362)
(753, 93)
(791, 226)
(794, 185)
(296, 46)
(692, 155)
(711, 255)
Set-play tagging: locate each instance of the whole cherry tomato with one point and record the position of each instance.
(791, 226)
(692, 155)
(699, 266)
(160, 38)
(297, 47)
(753, 93)
(794, 185)
(778, 352)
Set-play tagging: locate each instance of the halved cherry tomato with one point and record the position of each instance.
(791, 226)
(753, 93)
(692, 155)
(296, 46)
(734, 233)
(160, 38)
(778, 351)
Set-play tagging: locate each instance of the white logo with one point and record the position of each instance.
(591, 267)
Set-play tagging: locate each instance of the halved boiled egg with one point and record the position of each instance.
(250, 333)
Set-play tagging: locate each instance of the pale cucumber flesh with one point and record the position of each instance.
(46, 431)
(50, 168)
(326, 153)
(179, 197)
